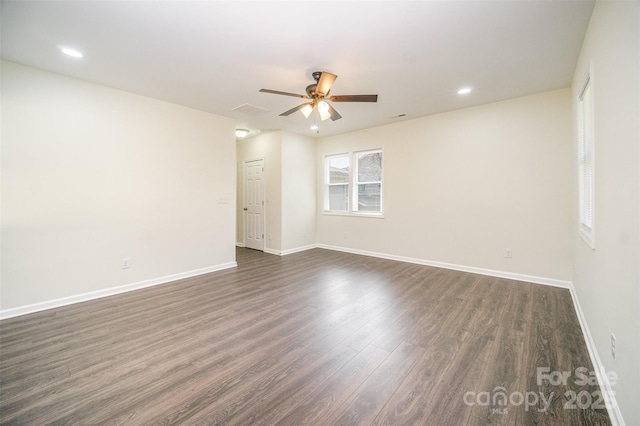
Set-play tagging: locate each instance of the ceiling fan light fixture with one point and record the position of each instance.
(306, 110)
(323, 109)
(317, 93)
(241, 133)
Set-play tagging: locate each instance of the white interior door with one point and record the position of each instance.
(254, 204)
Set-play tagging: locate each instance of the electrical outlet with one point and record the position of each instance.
(613, 346)
(507, 253)
(125, 263)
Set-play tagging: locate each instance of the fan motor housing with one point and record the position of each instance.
(311, 90)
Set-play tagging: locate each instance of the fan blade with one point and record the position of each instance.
(292, 110)
(334, 114)
(354, 98)
(324, 83)
(277, 92)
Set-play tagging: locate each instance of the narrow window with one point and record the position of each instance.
(585, 162)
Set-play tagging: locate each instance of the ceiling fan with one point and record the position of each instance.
(318, 95)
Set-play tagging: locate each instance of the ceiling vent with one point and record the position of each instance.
(249, 109)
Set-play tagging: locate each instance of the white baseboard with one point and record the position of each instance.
(472, 269)
(64, 301)
(239, 244)
(290, 251)
(298, 249)
(615, 415)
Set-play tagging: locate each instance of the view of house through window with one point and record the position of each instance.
(357, 188)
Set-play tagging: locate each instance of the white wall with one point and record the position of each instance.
(290, 188)
(91, 175)
(298, 191)
(462, 186)
(606, 279)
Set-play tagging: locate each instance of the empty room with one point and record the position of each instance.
(323, 213)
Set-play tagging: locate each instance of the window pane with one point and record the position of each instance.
(338, 197)
(339, 170)
(370, 167)
(369, 197)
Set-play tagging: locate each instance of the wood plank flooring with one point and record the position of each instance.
(317, 337)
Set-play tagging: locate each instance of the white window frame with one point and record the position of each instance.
(586, 162)
(352, 188)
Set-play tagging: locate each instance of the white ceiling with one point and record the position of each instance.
(215, 55)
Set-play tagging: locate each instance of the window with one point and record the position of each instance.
(357, 189)
(585, 162)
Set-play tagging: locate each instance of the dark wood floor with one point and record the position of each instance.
(317, 337)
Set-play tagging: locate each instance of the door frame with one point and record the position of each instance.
(244, 200)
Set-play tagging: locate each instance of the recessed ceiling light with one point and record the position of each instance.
(314, 127)
(71, 52)
(241, 133)
(464, 91)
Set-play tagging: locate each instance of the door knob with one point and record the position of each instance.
(245, 209)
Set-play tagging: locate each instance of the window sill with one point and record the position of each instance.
(587, 237)
(354, 214)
